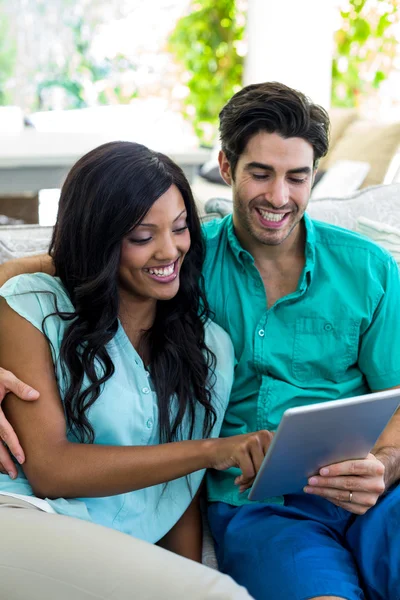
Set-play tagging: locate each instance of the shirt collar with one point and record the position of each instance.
(243, 256)
(308, 270)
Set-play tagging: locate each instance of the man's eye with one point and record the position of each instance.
(294, 180)
(259, 176)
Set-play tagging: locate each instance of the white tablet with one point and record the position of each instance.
(311, 437)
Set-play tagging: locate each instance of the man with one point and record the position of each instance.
(313, 314)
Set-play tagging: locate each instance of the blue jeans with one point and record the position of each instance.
(309, 547)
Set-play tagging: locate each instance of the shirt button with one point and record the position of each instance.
(149, 423)
(261, 332)
(328, 327)
(146, 390)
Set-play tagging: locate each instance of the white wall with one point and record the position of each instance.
(291, 41)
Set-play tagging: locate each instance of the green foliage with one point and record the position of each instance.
(80, 71)
(365, 47)
(8, 53)
(206, 43)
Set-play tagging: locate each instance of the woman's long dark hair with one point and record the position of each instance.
(106, 193)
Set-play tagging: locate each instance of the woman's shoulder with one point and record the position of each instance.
(37, 296)
(36, 283)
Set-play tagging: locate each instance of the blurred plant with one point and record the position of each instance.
(46, 57)
(365, 49)
(8, 54)
(83, 79)
(208, 43)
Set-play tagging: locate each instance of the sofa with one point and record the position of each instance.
(373, 211)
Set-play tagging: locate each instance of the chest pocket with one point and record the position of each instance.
(324, 348)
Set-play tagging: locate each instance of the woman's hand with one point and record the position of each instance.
(9, 383)
(245, 451)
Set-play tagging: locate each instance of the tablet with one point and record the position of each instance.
(311, 437)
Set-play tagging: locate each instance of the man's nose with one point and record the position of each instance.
(278, 195)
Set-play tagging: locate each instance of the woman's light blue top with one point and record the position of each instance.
(125, 414)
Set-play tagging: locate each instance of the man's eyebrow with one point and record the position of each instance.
(265, 167)
(154, 226)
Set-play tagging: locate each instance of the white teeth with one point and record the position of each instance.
(162, 272)
(269, 216)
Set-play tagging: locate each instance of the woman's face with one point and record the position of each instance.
(152, 253)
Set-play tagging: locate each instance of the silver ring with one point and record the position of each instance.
(350, 496)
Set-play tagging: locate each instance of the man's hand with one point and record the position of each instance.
(9, 383)
(354, 485)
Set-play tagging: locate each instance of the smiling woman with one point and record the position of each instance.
(133, 378)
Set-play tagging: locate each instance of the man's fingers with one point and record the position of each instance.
(10, 383)
(6, 463)
(366, 499)
(367, 467)
(360, 502)
(373, 484)
(8, 435)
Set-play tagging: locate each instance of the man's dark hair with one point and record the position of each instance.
(274, 108)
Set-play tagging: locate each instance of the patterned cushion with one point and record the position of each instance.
(23, 240)
(379, 203)
(385, 235)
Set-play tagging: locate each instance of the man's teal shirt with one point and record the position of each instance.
(337, 336)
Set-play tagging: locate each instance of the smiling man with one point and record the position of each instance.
(312, 310)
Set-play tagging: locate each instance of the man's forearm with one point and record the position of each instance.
(387, 450)
(29, 264)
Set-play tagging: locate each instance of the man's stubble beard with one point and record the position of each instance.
(243, 217)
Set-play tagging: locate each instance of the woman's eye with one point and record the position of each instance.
(142, 241)
(181, 229)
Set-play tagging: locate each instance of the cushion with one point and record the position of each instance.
(381, 233)
(369, 142)
(221, 206)
(23, 240)
(344, 177)
(340, 119)
(380, 202)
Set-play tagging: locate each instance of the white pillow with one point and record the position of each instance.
(378, 202)
(23, 240)
(342, 178)
(385, 235)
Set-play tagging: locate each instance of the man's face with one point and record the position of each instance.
(271, 187)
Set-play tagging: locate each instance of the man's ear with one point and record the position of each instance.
(225, 168)
(313, 175)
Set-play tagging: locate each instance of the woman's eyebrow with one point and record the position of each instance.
(153, 225)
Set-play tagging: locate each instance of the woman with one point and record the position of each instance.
(133, 376)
